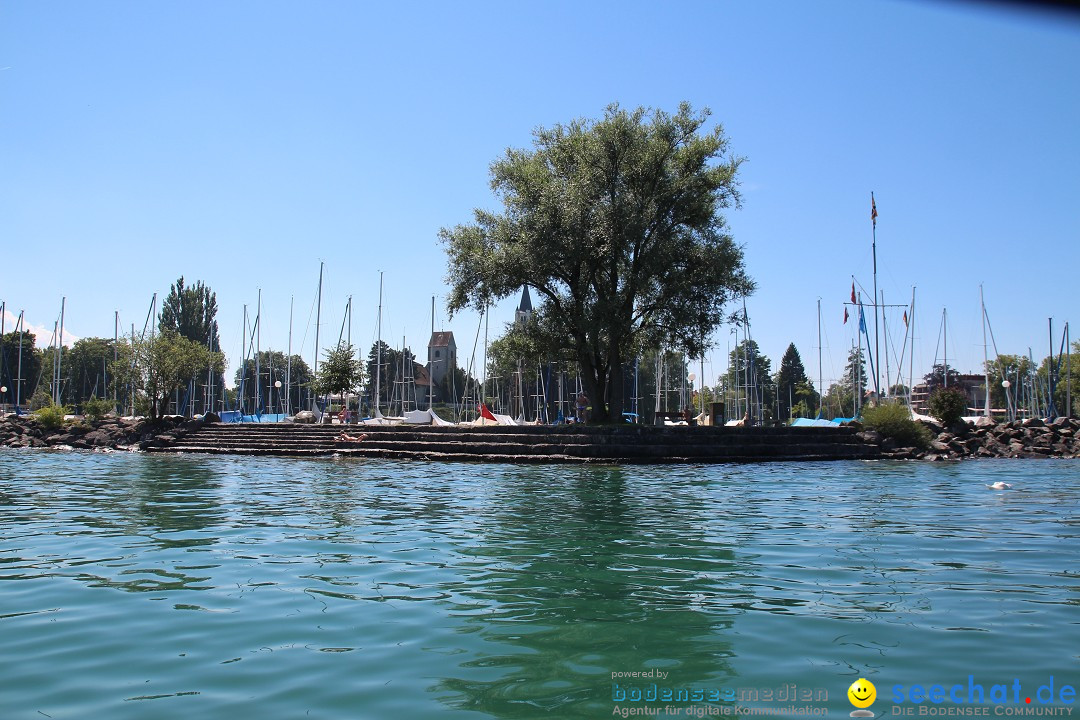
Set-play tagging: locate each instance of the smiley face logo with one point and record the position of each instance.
(862, 693)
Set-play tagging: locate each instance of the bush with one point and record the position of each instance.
(893, 420)
(51, 417)
(97, 408)
(948, 405)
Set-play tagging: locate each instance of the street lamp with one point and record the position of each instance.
(691, 377)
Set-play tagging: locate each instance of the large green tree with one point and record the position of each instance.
(168, 363)
(793, 387)
(340, 372)
(616, 224)
(191, 312)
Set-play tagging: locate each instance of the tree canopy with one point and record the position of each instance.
(340, 372)
(169, 362)
(616, 224)
(793, 387)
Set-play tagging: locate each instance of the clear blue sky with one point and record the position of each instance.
(239, 143)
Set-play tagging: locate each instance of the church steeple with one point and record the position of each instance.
(525, 308)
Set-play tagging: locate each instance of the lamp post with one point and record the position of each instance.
(3, 391)
(692, 377)
(277, 384)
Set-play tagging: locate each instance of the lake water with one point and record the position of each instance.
(147, 586)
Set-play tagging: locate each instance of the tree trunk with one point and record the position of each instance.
(594, 384)
(617, 390)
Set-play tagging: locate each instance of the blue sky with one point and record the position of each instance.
(241, 143)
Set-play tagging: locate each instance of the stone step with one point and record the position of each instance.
(616, 444)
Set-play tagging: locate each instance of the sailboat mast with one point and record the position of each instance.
(431, 383)
(945, 349)
(243, 362)
(318, 321)
(986, 362)
(18, 380)
(911, 364)
(877, 343)
(378, 349)
(288, 365)
(885, 332)
(820, 383)
(258, 347)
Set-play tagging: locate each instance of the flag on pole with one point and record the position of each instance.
(845, 316)
(485, 413)
(905, 318)
(862, 320)
(853, 301)
(873, 210)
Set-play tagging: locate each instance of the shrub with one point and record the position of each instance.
(893, 420)
(51, 417)
(97, 408)
(948, 405)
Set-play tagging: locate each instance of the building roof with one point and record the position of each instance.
(442, 339)
(422, 377)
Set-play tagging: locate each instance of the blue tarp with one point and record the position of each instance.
(807, 422)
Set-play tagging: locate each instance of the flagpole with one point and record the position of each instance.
(877, 342)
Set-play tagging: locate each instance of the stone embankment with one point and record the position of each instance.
(530, 443)
(1033, 438)
(108, 434)
(539, 444)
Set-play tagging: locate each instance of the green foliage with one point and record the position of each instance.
(41, 398)
(616, 224)
(51, 417)
(191, 312)
(893, 420)
(390, 371)
(948, 404)
(9, 365)
(170, 361)
(273, 366)
(746, 360)
(97, 408)
(937, 375)
(88, 368)
(340, 372)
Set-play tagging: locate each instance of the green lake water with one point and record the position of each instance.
(142, 586)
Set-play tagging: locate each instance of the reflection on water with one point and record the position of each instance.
(388, 589)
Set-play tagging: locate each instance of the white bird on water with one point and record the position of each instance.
(1000, 486)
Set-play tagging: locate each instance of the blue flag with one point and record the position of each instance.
(862, 320)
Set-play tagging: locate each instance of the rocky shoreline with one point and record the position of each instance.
(1034, 438)
(131, 434)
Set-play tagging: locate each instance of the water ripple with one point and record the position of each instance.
(389, 589)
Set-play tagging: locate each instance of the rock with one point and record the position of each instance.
(1060, 422)
(939, 446)
(1034, 423)
(211, 417)
(304, 416)
(931, 426)
(869, 436)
